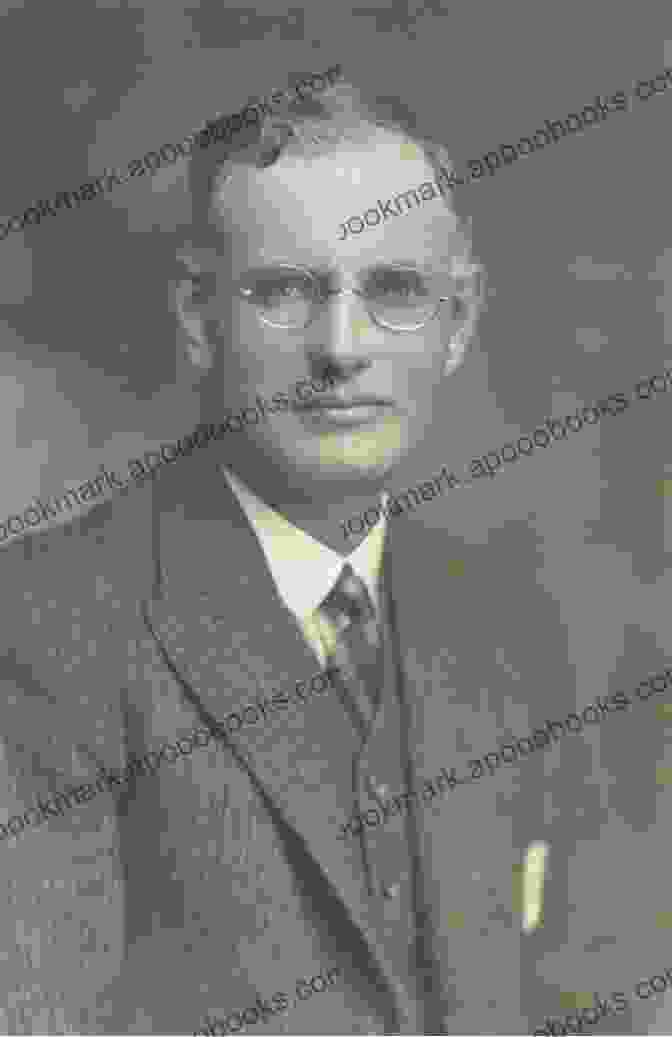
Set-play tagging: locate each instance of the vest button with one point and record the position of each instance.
(376, 790)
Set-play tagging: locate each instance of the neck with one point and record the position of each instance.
(325, 527)
(321, 518)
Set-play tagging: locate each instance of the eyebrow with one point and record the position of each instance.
(324, 270)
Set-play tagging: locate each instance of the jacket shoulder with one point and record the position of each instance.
(109, 543)
(68, 597)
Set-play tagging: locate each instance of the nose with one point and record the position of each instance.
(343, 335)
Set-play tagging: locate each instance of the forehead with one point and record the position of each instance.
(293, 210)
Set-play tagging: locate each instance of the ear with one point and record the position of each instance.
(467, 305)
(190, 310)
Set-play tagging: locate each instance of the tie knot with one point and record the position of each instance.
(348, 600)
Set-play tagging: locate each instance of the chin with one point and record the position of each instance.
(366, 450)
(354, 474)
(357, 461)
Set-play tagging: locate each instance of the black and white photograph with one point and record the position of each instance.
(336, 518)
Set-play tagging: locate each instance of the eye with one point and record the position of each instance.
(290, 289)
(275, 286)
(396, 284)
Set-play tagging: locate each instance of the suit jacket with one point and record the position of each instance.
(222, 877)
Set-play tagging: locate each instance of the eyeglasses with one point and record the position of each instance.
(397, 297)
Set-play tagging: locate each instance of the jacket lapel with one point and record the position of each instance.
(230, 641)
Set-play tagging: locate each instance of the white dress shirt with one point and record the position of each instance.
(303, 569)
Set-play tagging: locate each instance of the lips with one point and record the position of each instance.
(342, 403)
(345, 415)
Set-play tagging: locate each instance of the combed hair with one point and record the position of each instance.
(310, 127)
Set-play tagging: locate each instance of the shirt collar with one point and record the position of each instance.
(303, 569)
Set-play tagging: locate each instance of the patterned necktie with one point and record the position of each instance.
(352, 642)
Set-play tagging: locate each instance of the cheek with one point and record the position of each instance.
(425, 386)
(421, 365)
(250, 355)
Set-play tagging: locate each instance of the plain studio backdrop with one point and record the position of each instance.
(575, 239)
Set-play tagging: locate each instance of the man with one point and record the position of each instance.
(234, 888)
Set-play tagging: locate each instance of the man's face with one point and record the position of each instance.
(290, 214)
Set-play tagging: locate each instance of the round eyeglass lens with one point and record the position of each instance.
(283, 297)
(401, 298)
